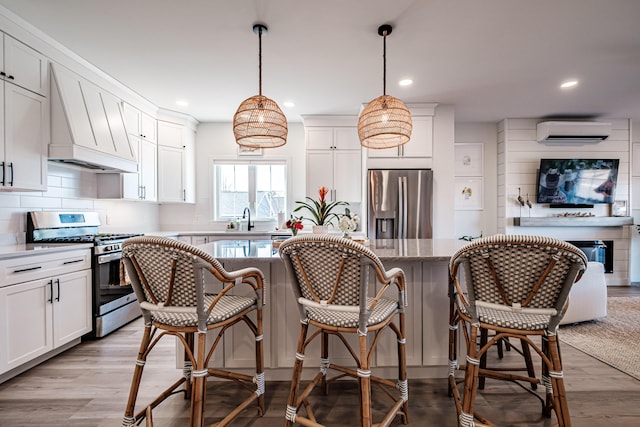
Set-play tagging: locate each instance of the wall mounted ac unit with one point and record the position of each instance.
(577, 133)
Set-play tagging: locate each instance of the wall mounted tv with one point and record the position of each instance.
(577, 182)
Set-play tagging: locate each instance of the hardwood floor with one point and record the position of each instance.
(89, 384)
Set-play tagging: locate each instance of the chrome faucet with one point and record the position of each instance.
(244, 215)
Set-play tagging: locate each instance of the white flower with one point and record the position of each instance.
(347, 224)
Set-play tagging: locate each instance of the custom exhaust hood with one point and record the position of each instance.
(87, 126)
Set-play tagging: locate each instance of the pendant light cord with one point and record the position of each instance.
(260, 60)
(384, 63)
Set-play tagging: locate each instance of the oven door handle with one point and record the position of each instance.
(103, 259)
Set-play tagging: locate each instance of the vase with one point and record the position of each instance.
(346, 235)
(294, 231)
(320, 229)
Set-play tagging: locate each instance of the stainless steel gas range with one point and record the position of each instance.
(113, 304)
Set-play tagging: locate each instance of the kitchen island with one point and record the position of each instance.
(425, 263)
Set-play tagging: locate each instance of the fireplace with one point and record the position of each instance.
(597, 250)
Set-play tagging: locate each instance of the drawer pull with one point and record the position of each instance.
(74, 261)
(27, 269)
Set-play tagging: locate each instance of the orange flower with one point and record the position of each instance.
(320, 209)
(323, 192)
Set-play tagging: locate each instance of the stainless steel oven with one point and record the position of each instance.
(113, 304)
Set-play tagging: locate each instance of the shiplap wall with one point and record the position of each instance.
(519, 156)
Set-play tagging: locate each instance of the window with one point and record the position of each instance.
(259, 185)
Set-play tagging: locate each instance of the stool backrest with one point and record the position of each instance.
(528, 272)
(166, 273)
(329, 269)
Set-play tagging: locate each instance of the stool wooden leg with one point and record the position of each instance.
(402, 369)
(364, 380)
(470, 380)
(295, 379)
(557, 381)
(526, 353)
(129, 418)
(484, 334)
(198, 394)
(260, 360)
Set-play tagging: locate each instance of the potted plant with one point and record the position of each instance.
(320, 210)
(294, 224)
(348, 223)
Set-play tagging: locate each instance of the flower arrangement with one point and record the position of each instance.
(320, 210)
(348, 223)
(294, 224)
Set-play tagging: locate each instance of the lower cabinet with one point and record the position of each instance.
(43, 314)
(238, 348)
(387, 353)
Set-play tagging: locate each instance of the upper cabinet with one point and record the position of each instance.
(420, 144)
(24, 118)
(334, 157)
(140, 124)
(23, 66)
(176, 162)
(141, 129)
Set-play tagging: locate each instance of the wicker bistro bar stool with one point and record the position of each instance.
(330, 279)
(168, 277)
(516, 287)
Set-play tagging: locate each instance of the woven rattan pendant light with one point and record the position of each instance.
(259, 122)
(386, 121)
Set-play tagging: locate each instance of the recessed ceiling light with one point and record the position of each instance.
(405, 82)
(289, 104)
(569, 84)
(182, 103)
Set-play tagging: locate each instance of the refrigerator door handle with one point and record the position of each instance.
(402, 207)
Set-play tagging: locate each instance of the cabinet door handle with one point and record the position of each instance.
(10, 77)
(73, 262)
(144, 192)
(58, 286)
(2, 73)
(10, 183)
(50, 291)
(27, 269)
(2, 183)
(184, 195)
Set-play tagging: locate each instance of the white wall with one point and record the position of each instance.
(73, 190)
(216, 141)
(519, 157)
(484, 221)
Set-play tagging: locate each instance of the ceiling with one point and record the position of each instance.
(490, 59)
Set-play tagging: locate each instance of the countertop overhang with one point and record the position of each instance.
(385, 249)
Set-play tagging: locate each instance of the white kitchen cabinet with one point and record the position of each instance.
(386, 352)
(176, 163)
(141, 133)
(239, 341)
(23, 148)
(420, 144)
(23, 66)
(133, 186)
(140, 124)
(45, 304)
(334, 160)
(332, 138)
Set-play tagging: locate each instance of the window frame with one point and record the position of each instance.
(251, 185)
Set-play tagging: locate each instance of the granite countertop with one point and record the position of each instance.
(28, 249)
(386, 250)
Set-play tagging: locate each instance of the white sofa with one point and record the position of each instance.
(588, 296)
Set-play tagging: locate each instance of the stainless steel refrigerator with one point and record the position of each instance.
(399, 204)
